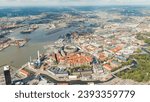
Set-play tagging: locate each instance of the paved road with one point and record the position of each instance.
(120, 69)
(145, 50)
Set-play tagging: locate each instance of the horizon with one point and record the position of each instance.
(62, 6)
(62, 3)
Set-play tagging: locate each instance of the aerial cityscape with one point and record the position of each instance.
(75, 45)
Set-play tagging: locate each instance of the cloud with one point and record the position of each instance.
(70, 2)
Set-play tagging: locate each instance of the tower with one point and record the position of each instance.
(38, 60)
(29, 63)
(7, 75)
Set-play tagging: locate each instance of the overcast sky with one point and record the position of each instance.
(71, 2)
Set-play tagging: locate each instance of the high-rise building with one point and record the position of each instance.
(7, 75)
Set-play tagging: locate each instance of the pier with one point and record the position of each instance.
(12, 42)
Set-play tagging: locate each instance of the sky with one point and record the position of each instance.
(71, 2)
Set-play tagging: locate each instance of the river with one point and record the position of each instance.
(19, 56)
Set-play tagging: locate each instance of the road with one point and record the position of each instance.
(145, 50)
(120, 69)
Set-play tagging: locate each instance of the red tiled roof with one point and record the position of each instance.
(102, 56)
(24, 72)
(116, 49)
(77, 59)
(108, 67)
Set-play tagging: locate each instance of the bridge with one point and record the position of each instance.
(120, 69)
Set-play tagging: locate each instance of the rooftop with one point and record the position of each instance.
(108, 67)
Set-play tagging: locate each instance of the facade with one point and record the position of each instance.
(59, 72)
(7, 75)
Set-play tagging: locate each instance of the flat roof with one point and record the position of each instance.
(6, 68)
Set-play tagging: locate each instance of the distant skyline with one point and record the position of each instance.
(71, 2)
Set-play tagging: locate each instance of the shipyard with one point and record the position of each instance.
(78, 47)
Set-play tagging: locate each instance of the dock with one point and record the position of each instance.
(13, 42)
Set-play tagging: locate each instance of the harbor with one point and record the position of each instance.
(38, 39)
(12, 42)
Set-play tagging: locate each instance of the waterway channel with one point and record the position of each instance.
(19, 56)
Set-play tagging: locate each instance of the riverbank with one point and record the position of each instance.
(19, 56)
(12, 42)
(38, 39)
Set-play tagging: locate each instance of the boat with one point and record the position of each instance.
(26, 31)
(34, 27)
(22, 44)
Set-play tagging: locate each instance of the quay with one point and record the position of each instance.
(12, 42)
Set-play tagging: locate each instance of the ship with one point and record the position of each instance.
(30, 29)
(22, 44)
(27, 31)
(34, 27)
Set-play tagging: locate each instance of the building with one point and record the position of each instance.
(72, 77)
(116, 49)
(108, 67)
(115, 64)
(121, 58)
(59, 72)
(74, 59)
(83, 72)
(102, 56)
(24, 73)
(7, 75)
